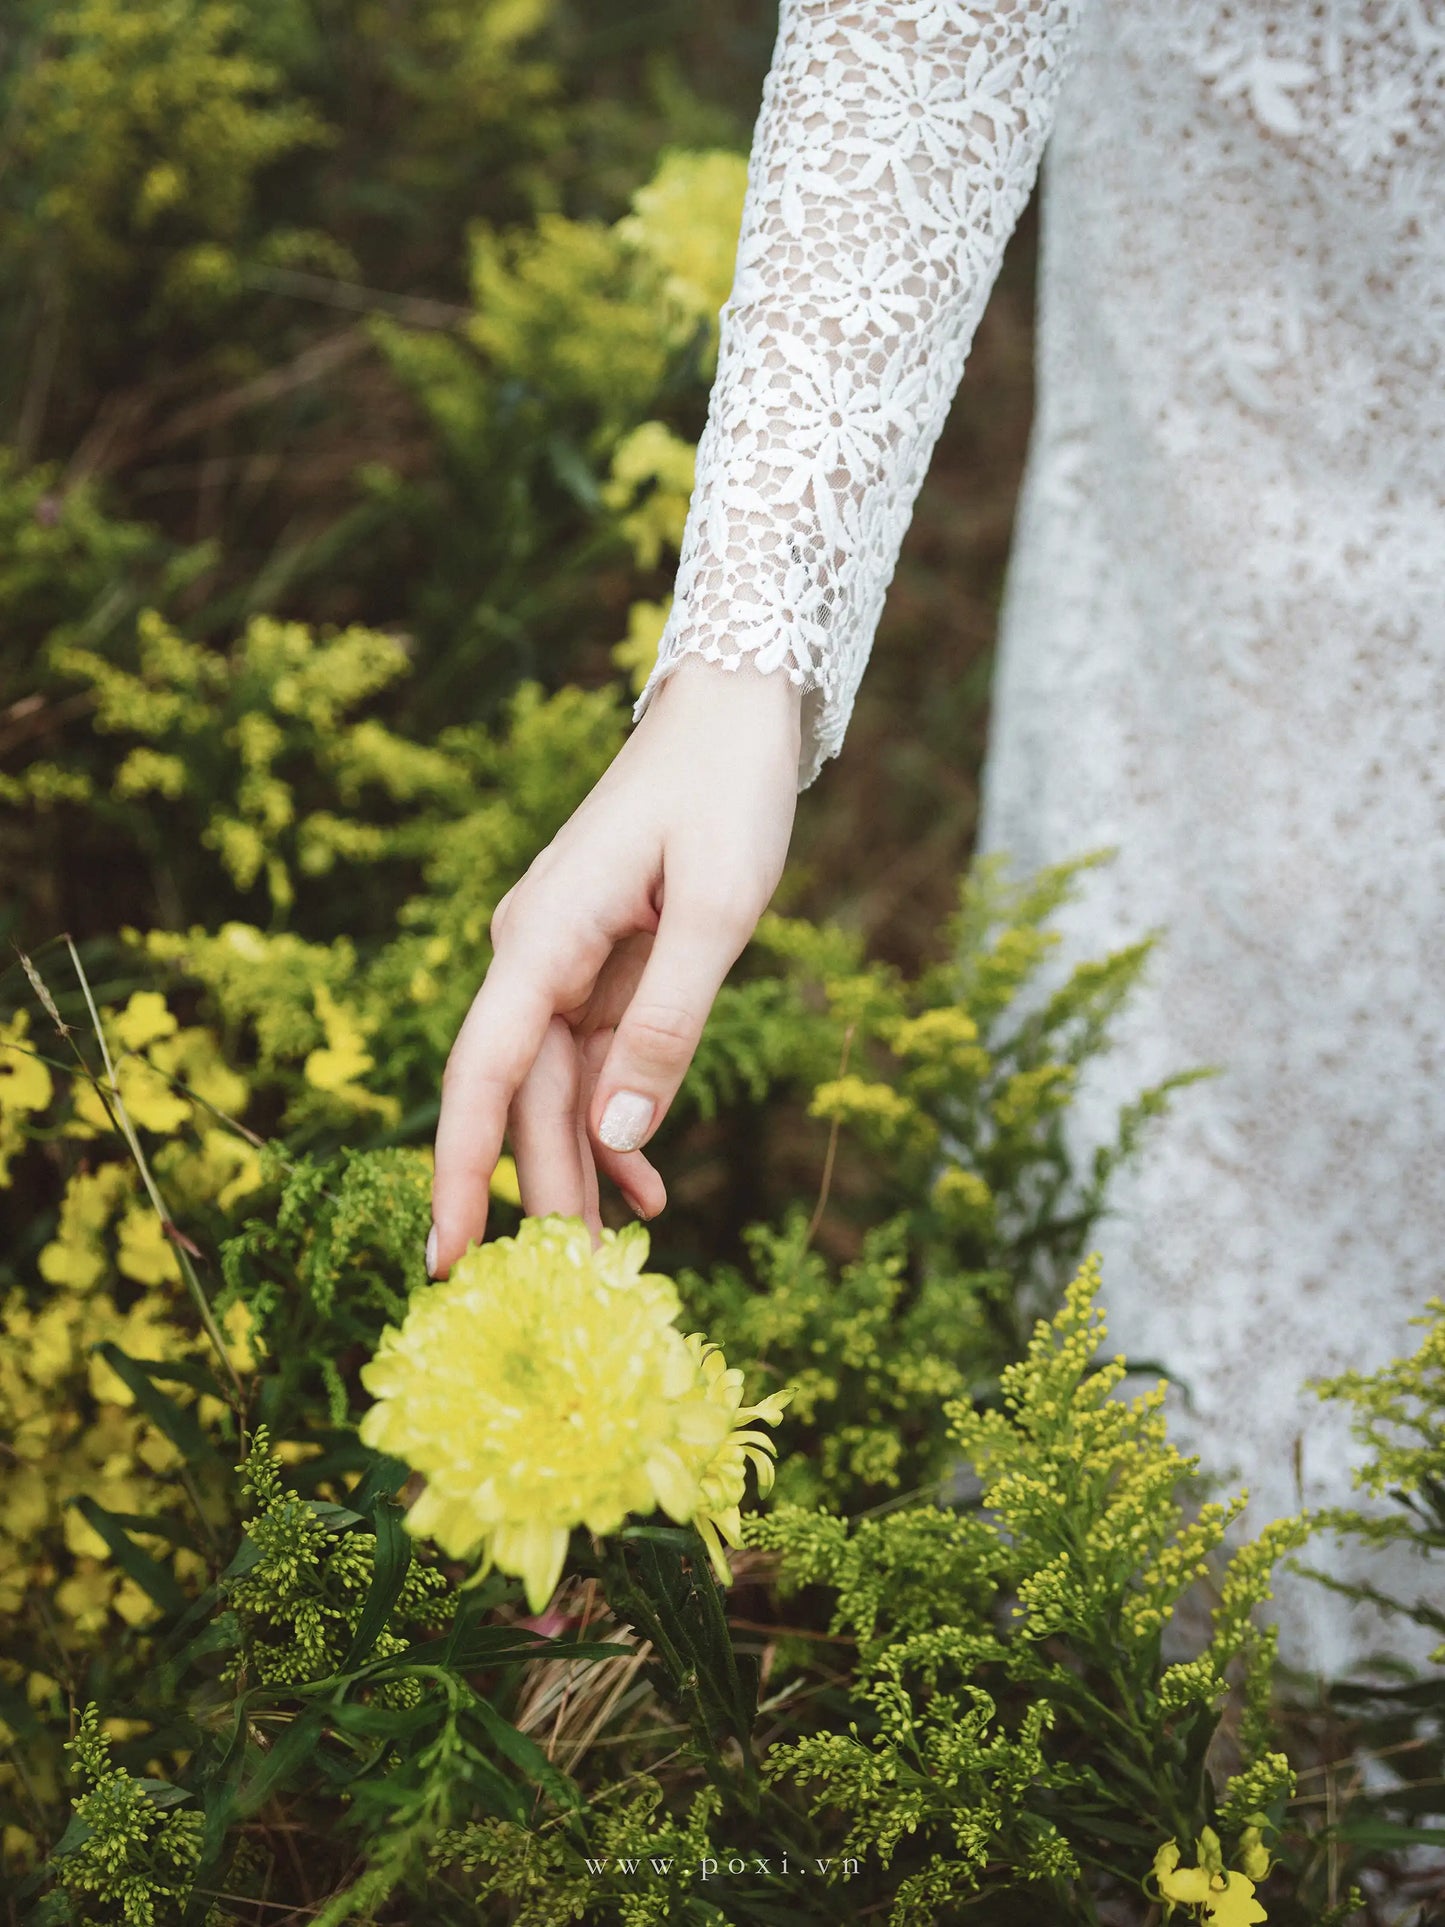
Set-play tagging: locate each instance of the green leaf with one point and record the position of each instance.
(165, 1793)
(176, 1530)
(246, 1556)
(178, 1424)
(524, 1753)
(158, 1582)
(1383, 1833)
(336, 1518)
(218, 1784)
(183, 1372)
(487, 1646)
(291, 1751)
(572, 471)
(679, 1538)
(392, 1563)
(75, 1835)
(382, 1479)
(686, 1600)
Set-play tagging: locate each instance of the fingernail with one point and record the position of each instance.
(637, 1210)
(431, 1253)
(625, 1121)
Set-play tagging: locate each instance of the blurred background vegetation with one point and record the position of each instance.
(312, 309)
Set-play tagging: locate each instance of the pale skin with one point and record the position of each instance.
(609, 952)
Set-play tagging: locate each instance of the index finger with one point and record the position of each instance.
(494, 1049)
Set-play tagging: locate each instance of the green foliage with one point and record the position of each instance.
(954, 1088)
(1399, 1417)
(328, 1267)
(548, 1882)
(300, 1585)
(150, 116)
(1013, 1716)
(128, 1849)
(868, 1353)
(219, 736)
(958, 1084)
(345, 1035)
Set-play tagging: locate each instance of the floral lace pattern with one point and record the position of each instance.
(895, 150)
(1223, 641)
(1223, 652)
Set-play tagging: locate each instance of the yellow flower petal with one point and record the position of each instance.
(1235, 1905)
(534, 1552)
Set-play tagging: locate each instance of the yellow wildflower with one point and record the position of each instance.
(121, 1730)
(194, 1056)
(505, 1185)
(25, 1083)
(1223, 1899)
(344, 1056)
(243, 1337)
(145, 1018)
(649, 489)
(40, 1689)
(76, 1256)
(25, 1087)
(336, 1066)
(854, 1097)
(19, 1850)
(636, 654)
(145, 1252)
(143, 1093)
(85, 1597)
(685, 220)
(133, 1603)
(963, 1195)
(545, 1386)
(219, 1169)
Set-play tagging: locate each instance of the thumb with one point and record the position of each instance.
(657, 1034)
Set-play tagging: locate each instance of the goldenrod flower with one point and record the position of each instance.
(544, 1386)
(1223, 1899)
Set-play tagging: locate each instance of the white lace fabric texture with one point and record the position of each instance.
(1222, 649)
(895, 150)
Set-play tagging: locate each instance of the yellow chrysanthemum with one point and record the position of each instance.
(1223, 1899)
(722, 1475)
(544, 1386)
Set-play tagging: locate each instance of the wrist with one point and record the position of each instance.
(696, 685)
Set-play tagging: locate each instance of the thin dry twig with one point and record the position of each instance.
(589, 1600)
(628, 1670)
(422, 311)
(319, 359)
(832, 1150)
(37, 716)
(111, 1097)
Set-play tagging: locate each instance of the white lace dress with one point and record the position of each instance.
(1223, 642)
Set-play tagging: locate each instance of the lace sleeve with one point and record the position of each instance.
(896, 146)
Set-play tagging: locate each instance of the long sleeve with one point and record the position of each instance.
(897, 144)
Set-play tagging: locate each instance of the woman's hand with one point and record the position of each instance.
(609, 951)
